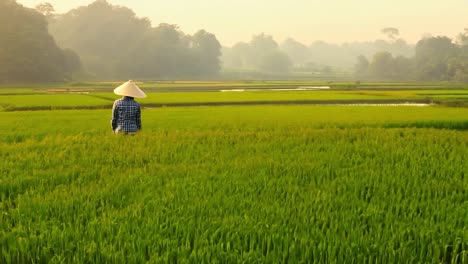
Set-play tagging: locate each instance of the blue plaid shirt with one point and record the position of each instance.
(126, 115)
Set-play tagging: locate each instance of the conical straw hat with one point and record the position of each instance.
(129, 89)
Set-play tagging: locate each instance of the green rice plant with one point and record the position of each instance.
(276, 184)
(51, 101)
(99, 95)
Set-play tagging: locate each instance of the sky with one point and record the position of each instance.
(333, 21)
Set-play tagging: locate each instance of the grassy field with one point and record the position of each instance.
(82, 97)
(235, 184)
(31, 123)
(105, 100)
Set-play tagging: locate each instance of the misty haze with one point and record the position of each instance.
(233, 131)
(102, 40)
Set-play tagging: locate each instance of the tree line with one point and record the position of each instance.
(114, 43)
(100, 41)
(431, 59)
(104, 41)
(319, 56)
(435, 59)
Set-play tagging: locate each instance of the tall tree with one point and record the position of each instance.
(381, 65)
(297, 51)
(101, 34)
(114, 43)
(403, 68)
(462, 38)
(362, 66)
(431, 57)
(391, 33)
(47, 9)
(241, 52)
(27, 51)
(260, 45)
(237, 56)
(207, 50)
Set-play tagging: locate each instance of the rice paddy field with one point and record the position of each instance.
(264, 181)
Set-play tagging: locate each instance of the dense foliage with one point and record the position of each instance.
(261, 53)
(27, 52)
(114, 43)
(435, 59)
(317, 57)
(431, 59)
(104, 41)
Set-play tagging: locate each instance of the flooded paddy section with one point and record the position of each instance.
(412, 103)
(90, 97)
(300, 88)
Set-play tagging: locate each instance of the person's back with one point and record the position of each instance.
(126, 115)
(126, 112)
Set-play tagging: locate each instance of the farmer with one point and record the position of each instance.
(126, 112)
